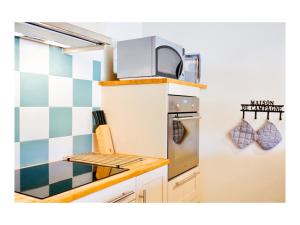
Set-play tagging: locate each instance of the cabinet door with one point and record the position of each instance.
(118, 193)
(152, 186)
(185, 188)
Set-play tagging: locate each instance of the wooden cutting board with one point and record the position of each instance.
(104, 140)
(110, 160)
(102, 172)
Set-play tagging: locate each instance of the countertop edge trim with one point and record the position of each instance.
(151, 81)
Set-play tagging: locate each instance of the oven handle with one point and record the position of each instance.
(188, 118)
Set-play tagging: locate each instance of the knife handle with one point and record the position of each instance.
(103, 116)
(100, 117)
(96, 118)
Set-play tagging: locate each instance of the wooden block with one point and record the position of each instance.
(104, 140)
(102, 172)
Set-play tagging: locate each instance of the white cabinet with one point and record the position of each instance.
(148, 187)
(185, 188)
(121, 192)
(152, 186)
(145, 109)
(141, 111)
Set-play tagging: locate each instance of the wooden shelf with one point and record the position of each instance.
(151, 81)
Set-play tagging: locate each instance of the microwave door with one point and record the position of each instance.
(192, 67)
(168, 62)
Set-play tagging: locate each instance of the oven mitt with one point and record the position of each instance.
(268, 136)
(243, 134)
(178, 131)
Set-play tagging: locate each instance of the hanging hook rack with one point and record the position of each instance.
(262, 106)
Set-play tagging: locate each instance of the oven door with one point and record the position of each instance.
(185, 155)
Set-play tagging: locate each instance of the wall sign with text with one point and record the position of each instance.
(262, 106)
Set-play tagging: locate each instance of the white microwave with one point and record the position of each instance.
(149, 57)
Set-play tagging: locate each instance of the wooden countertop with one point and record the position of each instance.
(151, 81)
(135, 169)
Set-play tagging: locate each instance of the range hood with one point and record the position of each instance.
(73, 39)
(66, 35)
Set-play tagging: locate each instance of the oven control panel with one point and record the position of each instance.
(179, 103)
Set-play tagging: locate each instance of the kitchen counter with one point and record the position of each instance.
(135, 169)
(161, 80)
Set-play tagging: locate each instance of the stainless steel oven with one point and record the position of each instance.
(183, 134)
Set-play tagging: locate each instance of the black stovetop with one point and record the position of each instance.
(49, 179)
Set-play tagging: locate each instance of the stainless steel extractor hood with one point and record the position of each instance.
(62, 34)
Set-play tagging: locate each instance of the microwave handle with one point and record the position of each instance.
(188, 118)
(179, 69)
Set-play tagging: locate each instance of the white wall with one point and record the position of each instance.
(117, 31)
(241, 61)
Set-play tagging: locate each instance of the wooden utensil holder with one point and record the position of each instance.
(104, 140)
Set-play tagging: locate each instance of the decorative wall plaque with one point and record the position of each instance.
(262, 106)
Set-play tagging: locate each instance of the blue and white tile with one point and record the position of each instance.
(17, 124)
(82, 144)
(82, 120)
(60, 91)
(82, 93)
(59, 171)
(33, 90)
(34, 123)
(60, 64)
(34, 57)
(96, 94)
(60, 147)
(97, 70)
(17, 155)
(17, 88)
(17, 53)
(82, 67)
(60, 121)
(34, 153)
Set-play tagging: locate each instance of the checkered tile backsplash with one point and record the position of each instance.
(54, 99)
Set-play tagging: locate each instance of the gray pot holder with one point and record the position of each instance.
(178, 131)
(268, 136)
(243, 134)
